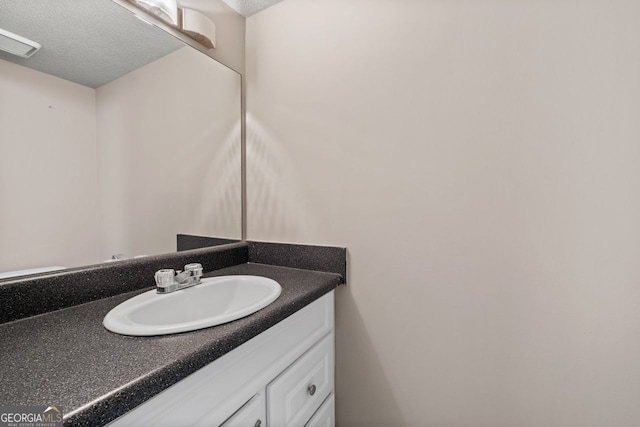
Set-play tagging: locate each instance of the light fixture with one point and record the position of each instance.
(17, 45)
(199, 27)
(167, 10)
(194, 24)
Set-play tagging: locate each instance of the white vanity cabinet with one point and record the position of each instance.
(282, 377)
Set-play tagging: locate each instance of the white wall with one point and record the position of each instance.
(162, 172)
(480, 160)
(48, 184)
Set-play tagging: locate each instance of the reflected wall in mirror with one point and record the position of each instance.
(142, 144)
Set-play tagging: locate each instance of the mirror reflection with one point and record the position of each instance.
(114, 138)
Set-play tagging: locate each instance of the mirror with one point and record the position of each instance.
(114, 137)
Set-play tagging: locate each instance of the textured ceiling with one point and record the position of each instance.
(90, 42)
(247, 8)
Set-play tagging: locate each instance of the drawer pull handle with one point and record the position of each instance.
(258, 423)
(312, 389)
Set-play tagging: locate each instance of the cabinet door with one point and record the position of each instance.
(252, 414)
(299, 391)
(325, 416)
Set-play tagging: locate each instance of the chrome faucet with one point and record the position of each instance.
(168, 280)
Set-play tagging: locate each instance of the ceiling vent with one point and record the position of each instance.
(17, 45)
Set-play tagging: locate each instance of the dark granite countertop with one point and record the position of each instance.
(66, 357)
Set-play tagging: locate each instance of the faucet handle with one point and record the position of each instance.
(194, 269)
(165, 280)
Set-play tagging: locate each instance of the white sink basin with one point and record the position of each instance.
(214, 301)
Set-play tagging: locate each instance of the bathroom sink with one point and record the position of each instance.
(214, 301)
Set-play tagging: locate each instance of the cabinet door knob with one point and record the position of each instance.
(312, 389)
(258, 423)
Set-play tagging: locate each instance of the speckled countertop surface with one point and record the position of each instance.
(66, 358)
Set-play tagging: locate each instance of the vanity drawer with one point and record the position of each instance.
(296, 394)
(252, 414)
(325, 416)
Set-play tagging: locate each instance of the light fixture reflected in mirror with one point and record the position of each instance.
(167, 10)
